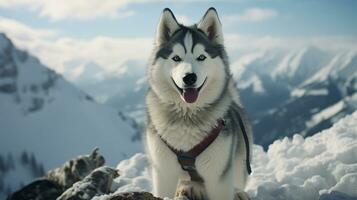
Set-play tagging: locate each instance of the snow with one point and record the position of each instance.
(298, 92)
(320, 92)
(67, 117)
(301, 168)
(327, 113)
(283, 65)
(321, 166)
(300, 65)
(323, 74)
(240, 65)
(337, 67)
(295, 63)
(134, 174)
(253, 82)
(258, 86)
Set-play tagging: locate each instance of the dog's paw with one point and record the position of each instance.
(241, 195)
(181, 198)
(191, 191)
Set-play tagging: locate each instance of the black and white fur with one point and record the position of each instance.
(183, 125)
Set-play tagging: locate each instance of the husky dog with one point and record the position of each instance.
(192, 103)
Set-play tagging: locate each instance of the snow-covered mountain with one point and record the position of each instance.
(301, 91)
(123, 89)
(44, 115)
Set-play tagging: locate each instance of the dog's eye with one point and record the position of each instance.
(201, 57)
(176, 58)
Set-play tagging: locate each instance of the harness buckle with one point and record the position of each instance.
(186, 161)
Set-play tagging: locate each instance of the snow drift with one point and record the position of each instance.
(323, 166)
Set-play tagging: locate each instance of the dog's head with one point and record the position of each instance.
(189, 64)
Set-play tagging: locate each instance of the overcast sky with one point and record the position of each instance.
(63, 33)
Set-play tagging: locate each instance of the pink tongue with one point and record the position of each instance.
(190, 95)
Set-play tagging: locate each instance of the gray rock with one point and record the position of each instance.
(41, 189)
(76, 169)
(96, 183)
(132, 196)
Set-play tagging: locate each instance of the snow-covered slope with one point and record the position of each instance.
(323, 166)
(43, 114)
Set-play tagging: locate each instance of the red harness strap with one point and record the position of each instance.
(187, 159)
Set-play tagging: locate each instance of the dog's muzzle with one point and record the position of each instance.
(189, 94)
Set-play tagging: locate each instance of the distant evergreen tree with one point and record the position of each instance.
(8, 191)
(33, 165)
(2, 184)
(41, 170)
(22, 184)
(24, 158)
(10, 162)
(2, 164)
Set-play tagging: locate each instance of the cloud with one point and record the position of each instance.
(73, 9)
(251, 15)
(237, 42)
(67, 54)
(23, 32)
(183, 19)
(58, 52)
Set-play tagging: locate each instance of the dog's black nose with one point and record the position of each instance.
(190, 79)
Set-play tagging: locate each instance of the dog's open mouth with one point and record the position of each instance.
(189, 95)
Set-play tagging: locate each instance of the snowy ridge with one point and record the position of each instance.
(323, 166)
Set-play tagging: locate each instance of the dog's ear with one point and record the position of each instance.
(211, 25)
(167, 26)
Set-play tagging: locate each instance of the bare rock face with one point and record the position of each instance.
(16, 68)
(132, 196)
(96, 183)
(76, 169)
(8, 68)
(41, 189)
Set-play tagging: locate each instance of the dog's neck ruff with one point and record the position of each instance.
(187, 158)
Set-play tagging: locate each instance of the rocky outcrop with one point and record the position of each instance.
(41, 189)
(81, 178)
(76, 169)
(96, 183)
(60, 179)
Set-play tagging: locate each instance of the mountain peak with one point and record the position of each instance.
(5, 42)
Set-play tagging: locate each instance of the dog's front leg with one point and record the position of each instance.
(164, 183)
(191, 190)
(219, 188)
(241, 195)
